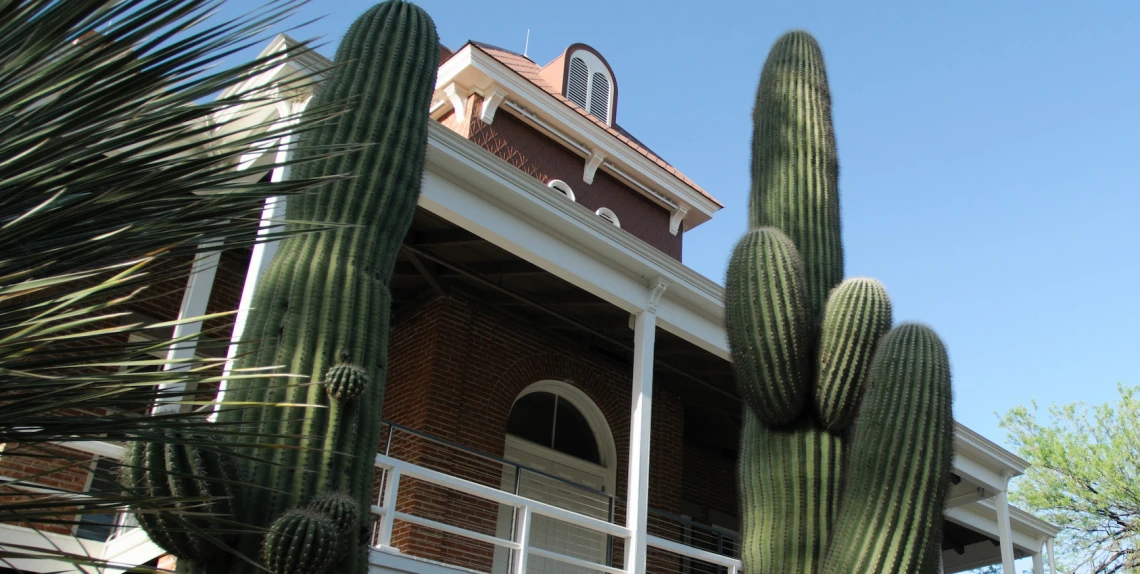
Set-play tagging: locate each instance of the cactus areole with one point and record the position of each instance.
(321, 309)
(846, 448)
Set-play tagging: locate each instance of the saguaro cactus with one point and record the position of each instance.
(846, 448)
(322, 309)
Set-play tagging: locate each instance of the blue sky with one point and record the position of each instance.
(987, 169)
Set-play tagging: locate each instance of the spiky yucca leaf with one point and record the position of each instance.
(115, 166)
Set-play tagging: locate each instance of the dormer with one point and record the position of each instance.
(585, 78)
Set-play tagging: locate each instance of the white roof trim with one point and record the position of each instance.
(481, 73)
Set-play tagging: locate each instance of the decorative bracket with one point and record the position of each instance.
(592, 163)
(491, 105)
(677, 217)
(655, 293)
(458, 99)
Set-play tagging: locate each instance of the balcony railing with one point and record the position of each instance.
(490, 514)
(498, 508)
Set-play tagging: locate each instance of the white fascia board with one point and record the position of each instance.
(479, 72)
(987, 452)
(981, 516)
(476, 190)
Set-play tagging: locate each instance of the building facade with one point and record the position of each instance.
(560, 394)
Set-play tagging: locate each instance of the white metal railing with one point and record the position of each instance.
(519, 542)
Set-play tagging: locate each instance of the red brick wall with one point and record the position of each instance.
(533, 152)
(710, 480)
(51, 466)
(455, 369)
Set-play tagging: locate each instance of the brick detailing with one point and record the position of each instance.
(528, 149)
(455, 370)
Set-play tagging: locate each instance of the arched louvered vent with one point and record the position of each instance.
(600, 97)
(578, 85)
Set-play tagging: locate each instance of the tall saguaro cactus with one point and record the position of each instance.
(321, 309)
(846, 448)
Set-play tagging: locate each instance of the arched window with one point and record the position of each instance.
(547, 420)
(562, 186)
(562, 441)
(588, 84)
(608, 215)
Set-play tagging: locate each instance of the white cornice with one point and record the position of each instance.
(968, 441)
(482, 73)
(692, 298)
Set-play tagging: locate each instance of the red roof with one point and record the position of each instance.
(529, 70)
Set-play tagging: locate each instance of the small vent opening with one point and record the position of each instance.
(562, 187)
(608, 215)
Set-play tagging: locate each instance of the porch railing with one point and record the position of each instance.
(519, 542)
(485, 479)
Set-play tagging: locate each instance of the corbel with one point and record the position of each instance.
(592, 163)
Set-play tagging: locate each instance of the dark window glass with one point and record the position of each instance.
(572, 434)
(531, 418)
(99, 526)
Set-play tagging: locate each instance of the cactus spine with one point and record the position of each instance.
(322, 309)
(846, 446)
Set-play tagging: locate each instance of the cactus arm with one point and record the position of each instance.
(795, 167)
(767, 325)
(858, 314)
(900, 458)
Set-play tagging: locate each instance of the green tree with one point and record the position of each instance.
(1085, 478)
(116, 166)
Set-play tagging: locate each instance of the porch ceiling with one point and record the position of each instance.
(440, 258)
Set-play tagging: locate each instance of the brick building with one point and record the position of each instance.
(559, 397)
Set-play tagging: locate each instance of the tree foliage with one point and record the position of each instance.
(1085, 478)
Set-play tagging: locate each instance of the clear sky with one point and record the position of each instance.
(987, 158)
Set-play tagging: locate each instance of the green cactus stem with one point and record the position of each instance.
(879, 420)
(344, 382)
(322, 310)
(795, 167)
(858, 314)
(301, 541)
(788, 513)
(767, 326)
(177, 468)
(327, 292)
(901, 453)
(343, 510)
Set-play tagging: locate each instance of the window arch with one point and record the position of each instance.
(608, 215)
(534, 418)
(588, 84)
(563, 187)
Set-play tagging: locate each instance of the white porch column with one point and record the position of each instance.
(1038, 563)
(194, 300)
(1004, 532)
(637, 494)
(263, 251)
(1049, 551)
